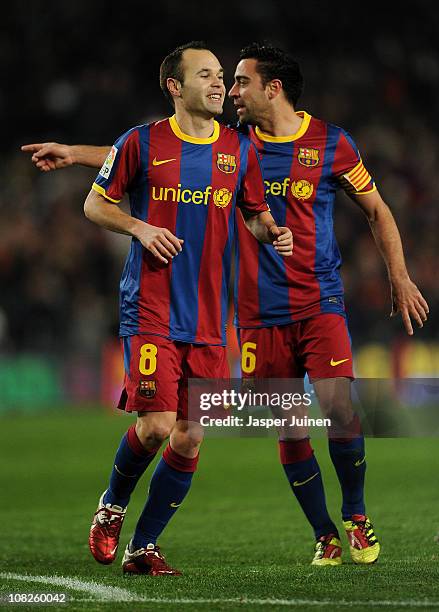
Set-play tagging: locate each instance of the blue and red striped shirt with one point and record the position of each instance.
(191, 186)
(302, 173)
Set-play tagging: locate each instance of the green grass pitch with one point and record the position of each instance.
(239, 537)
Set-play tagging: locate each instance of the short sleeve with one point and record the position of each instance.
(120, 168)
(349, 169)
(252, 193)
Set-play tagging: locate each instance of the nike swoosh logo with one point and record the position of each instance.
(296, 483)
(174, 505)
(336, 363)
(125, 475)
(156, 162)
(359, 462)
(113, 552)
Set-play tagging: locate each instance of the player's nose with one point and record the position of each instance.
(233, 93)
(217, 81)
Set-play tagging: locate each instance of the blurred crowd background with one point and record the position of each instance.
(84, 72)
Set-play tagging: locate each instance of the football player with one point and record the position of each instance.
(185, 176)
(290, 313)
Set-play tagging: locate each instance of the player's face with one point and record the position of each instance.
(203, 89)
(248, 93)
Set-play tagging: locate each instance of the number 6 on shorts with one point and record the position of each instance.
(248, 359)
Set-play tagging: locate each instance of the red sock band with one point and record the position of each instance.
(292, 451)
(178, 462)
(135, 444)
(350, 431)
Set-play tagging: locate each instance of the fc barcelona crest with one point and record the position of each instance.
(148, 388)
(308, 157)
(226, 163)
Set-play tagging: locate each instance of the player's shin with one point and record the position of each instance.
(169, 486)
(130, 463)
(303, 473)
(348, 456)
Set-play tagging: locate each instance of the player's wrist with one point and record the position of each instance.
(398, 276)
(136, 227)
(271, 235)
(73, 154)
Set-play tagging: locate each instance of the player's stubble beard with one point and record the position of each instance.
(246, 119)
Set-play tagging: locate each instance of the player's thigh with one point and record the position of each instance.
(324, 346)
(153, 371)
(267, 352)
(334, 395)
(294, 410)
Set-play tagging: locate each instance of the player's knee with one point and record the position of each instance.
(152, 435)
(339, 411)
(187, 441)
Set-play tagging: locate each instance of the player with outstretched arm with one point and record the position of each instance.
(290, 313)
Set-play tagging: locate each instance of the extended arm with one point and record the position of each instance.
(264, 228)
(406, 297)
(49, 156)
(158, 240)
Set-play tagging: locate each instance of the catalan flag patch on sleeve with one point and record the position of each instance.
(357, 180)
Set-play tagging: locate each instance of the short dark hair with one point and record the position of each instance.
(274, 63)
(171, 67)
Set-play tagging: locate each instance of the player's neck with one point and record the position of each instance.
(194, 125)
(281, 122)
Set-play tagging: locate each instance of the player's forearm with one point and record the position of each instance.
(260, 225)
(388, 241)
(87, 155)
(110, 216)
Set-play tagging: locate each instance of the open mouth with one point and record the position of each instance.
(215, 97)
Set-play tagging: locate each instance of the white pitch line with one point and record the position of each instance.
(286, 602)
(101, 592)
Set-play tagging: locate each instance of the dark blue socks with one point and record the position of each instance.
(130, 463)
(303, 473)
(348, 457)
(169, 486)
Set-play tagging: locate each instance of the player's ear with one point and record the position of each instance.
(174, 87)
(273, 88)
